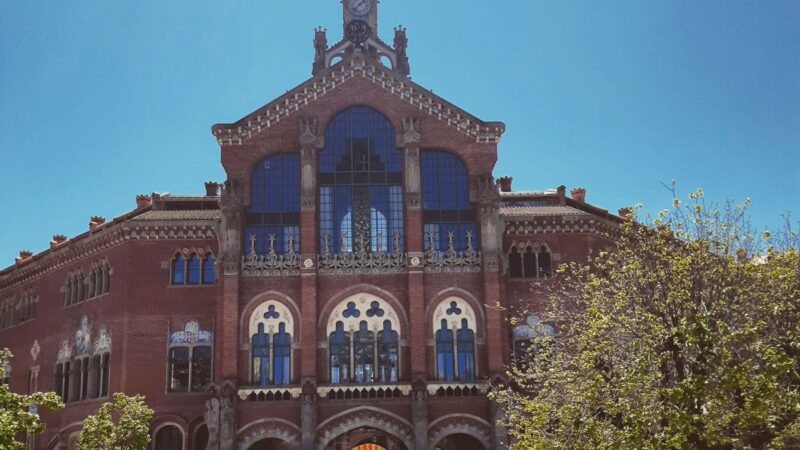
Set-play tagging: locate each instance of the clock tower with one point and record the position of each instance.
(360, 37)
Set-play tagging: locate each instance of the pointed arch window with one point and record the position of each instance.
(179, 269)
(271, 345)
(190, 361)
(445, 202)
(530, 261)
(193, 270)
(360, 178)
(363, 342)
(529, 335)
(454, 333)
(273, 217)
(209, 277)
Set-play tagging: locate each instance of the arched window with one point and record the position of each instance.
(363, 341)
(529, 261)
(201, 438)
(529, 335)
(179, 269)
(169, 437)
(454, 333)
(445, 202)
(274, 213)
(270, 328)
(193, 272)
(190, 359)
(209, 277)
(361, 184)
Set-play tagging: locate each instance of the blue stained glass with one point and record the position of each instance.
(275, 204)
(193, 272)
(466, 352)
(445, 369)
(282, 350)
(387, 354)
(179, 270)
(209, 277)
(445, 201)
(260, 350)
(339, 345)
(360, 176)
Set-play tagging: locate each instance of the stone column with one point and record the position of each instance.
(499, 431)
(229, 234)
(491, 238)
(419, 416)
(310, 144)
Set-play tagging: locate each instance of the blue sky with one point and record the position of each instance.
(102, 100)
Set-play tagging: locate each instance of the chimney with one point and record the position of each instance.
(142, 201)
(212, 189)
(57, 240)
(24, 256)
(579, 195)
(626, 213)
(562, 195)
(96, 221)
(505, 183)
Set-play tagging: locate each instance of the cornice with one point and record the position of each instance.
(558, 225)
(327, 81)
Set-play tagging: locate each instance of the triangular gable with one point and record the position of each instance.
(328, 80)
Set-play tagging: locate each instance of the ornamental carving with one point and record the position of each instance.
(361, 261)
(271, 264)
(102, 344)
(365, 417)
(275, 429)
(363, 308)
(454, 310)
(191, 334)
(410, 132)
(451, 260)
(35, 349)
(83, 336)
(460, 424)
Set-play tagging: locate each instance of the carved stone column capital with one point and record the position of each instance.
(310, 143)
(409, 141)
(411, 135)
(231, 204)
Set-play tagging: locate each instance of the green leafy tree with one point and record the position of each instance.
(684, 334)
(18, 413)
(123, 424)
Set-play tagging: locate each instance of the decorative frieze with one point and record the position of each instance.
(271, 264)
(560, 226)
(361, 262)
(451, 260)
(276, 393)
(356, 391)
(458, 389)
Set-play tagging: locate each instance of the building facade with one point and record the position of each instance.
(348, 286)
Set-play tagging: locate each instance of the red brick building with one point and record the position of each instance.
(339, 289)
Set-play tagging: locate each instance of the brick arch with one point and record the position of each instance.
(375, 104)
(261, 429)
(257, 300)
(365, 416)
(468, 297)
(368, 289)
(467, 424)
(170, 421)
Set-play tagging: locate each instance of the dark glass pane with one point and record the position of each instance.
(85, 379)
(95, 376)
(274, 211)
(201, 438)
(364, 354)
(193, 276)
(105, 375)
(282, 349)
(514, 264)
(545, 264)
(169, 438)
(201, 367)
(387, 354)
(466, 352)
(529, 263)
(58, 379)
(208, 269)
(178, 369)
(445, 201)
(260, 357)
(178, 270)
(339, 345)
(444, 353)
(66, 383)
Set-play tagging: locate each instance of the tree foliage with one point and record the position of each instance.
(123, 424)
(18, 413)
(684, 334)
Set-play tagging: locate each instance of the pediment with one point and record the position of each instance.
(327, 82)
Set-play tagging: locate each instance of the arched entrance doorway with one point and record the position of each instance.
(366, 438)
(459, 442)
(271, 444)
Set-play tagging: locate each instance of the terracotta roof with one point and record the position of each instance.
(537, 211)
(189, 214)
(527, 193)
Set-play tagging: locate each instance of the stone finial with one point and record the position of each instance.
(142, 201)
(505, 183)
(562, 195)
(96, 221)
(320, 50)
(212, 189)
(57, 240)
(24, 255)
(626, 213)
(579, 194)
(400, 47)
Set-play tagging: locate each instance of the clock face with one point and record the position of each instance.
(357, 31)
(360, 7)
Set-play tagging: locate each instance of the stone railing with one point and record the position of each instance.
(451, 260)
(356, 391)
(271, 264)
(361, 261)
(458, 389)
(267, 394)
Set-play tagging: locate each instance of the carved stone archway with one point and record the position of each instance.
(277, 430)
(460, 424)
(360, 422)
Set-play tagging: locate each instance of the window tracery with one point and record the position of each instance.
(193, 268)
(363, 341)
(82, 370)
(273, 218)
(270, 330)
(529, 260)
(18, 309)
(80, 286)
(190, 358)
(454, 327)
(361, 187)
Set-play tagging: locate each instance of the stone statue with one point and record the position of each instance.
(212, 422)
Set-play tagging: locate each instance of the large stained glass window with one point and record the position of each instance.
(360, 179)
(274, 214)
(445, 201)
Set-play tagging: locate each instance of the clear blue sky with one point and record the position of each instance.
(101, 100)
